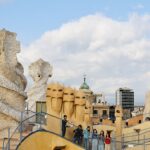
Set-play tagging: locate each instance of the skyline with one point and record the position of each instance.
(111, 38)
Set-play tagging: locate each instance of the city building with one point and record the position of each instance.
(125, 98)
(100, 98)
(138, 110)
(100, 112)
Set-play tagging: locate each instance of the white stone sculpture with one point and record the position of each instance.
(12, 80)
(146, 113)
(40, 71)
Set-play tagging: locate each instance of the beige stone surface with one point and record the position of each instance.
(130, 133)
(146, 113)
(63, 100)
(68, 101)
(12, 80)
(119, 126)
(87, 113)
(135, 120)
(11, 71)
(131, 136)
(80, 102)
(100, 108)
(105, 128)
(42, 140)
(54, 103)
(40, 71)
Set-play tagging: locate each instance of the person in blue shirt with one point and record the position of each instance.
(86, 134)
(94, 140)
(101, 140)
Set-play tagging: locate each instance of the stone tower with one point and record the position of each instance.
(40, 71)
(118, 123)
(12, 80)
(146, 113)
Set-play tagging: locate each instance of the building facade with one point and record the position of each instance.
(125, 98)
(100, 112)
(100, 98)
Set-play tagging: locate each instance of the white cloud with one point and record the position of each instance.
(112, 53)
(139, 6)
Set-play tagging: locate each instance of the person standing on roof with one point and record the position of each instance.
(86, 134)
(78, 135)
(64, 125)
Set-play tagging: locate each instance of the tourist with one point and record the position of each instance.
(90, 140)
(64, 125)
(78, 135)
(86, 134)
(101, 141)
(107, 141)
(94, 140)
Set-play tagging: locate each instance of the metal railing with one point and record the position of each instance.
(30, 122)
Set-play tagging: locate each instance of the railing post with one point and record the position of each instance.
(144, 143)
(27, 107)
(3, 144)
(8, 146)
(123, 141)
(41, 116)
(21, 128)
(113, 141)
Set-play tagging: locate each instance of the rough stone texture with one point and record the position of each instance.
(66, 100)
(146, 114)
(12, 80)
(63, 100)
(40, 71)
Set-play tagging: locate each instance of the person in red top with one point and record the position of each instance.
(107, 142)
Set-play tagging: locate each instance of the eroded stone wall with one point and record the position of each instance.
(40, 71)
(12, 80)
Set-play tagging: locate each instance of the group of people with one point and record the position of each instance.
(98, 141)
(91, 140)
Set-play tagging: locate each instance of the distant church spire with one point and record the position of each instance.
(84, 78)
(84, 84)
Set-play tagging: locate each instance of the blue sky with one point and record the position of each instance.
(30, 18)
(109, 40)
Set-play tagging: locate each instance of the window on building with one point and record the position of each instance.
(101, 120)
(104, 112)
(41, 107)
(95, 112)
